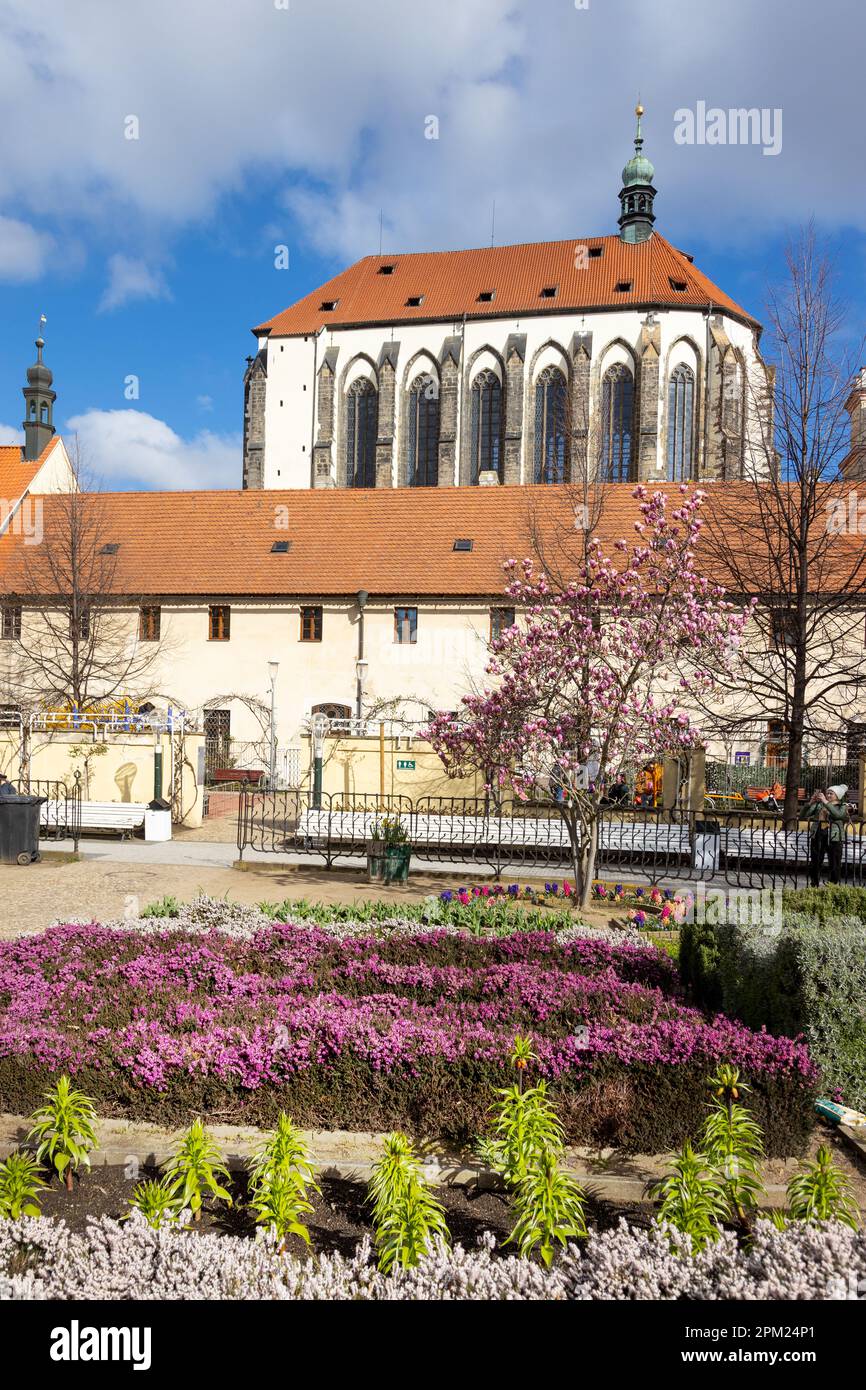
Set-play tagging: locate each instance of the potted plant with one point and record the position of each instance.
(389, 851)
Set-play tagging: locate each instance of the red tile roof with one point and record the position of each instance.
(16, 474)
(391, 542)
(451, 281)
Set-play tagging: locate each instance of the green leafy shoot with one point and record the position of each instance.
(64, 1129)
(406, 1215)
(193, 1171)
(157, 1202)
(691, 1199)
(822, 1192)
(20, 1184)
(732, 1144)
(525, 1124)
(549, 1206)
(280, 1176)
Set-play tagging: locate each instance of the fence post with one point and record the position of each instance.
(670, 782)
(861, 784)
(697, 779)
(76, 811)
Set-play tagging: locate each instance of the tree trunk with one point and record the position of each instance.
(590, 848)
(795, 749)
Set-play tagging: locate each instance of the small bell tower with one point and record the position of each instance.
(38, 404)
(636, 216)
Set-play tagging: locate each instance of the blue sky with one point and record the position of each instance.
(295, 121)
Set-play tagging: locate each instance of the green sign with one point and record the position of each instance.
(407, 764)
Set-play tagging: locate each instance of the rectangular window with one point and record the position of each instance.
(10, 628)
(311, 624)
(149, 623)
(405, 625)
(219, 629)
(782, 628)
(501, 619)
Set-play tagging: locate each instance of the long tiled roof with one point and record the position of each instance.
(449, 283)
(391, 542)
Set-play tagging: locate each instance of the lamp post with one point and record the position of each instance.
(360, 664)
(273, 668)
(361, 673)
(320, 724)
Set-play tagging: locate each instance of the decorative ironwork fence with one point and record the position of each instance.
(60, 817)
(742, 849)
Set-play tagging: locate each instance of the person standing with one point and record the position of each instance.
(828, 814)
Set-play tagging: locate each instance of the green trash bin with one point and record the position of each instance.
(19, 828)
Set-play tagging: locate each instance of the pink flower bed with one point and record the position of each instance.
(153, 1010)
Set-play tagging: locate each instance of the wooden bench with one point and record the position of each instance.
(122, 816)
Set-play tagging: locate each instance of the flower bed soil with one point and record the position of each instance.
(407, 1029)
(340, 1217)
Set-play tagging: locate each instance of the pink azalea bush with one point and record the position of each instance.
(361, 1032)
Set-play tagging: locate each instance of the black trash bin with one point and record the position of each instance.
(19, 828)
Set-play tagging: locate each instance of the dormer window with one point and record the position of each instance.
(386, 270)
(486, 297)
(595, 252)
(462, 543)
(415, 301)
(623, 286)
(549, 292)
(328, 305)
(679, 285)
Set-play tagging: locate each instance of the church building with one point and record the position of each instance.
(610, 357)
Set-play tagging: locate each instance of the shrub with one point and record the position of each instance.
(692, 1199)
(831, 900)
(41, 1259)
(157, 1202)
(804, 980)
(549, 1208)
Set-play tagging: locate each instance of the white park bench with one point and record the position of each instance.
(122, 816)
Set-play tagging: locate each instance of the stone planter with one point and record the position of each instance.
(376, 861)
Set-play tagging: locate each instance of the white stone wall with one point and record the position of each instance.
(291, 412)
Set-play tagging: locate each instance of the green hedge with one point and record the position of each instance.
(804, 978)
(827, 902)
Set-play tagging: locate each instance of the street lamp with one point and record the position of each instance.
(273, 668)
(361, 674)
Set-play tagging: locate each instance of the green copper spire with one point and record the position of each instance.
(636, 196)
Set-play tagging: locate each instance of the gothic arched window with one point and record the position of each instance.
(362, 427)
(422, 463)
(681, 401)
(617, 411)
(551, 407)
(486, 424)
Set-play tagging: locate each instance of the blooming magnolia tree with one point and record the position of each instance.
(598, 674)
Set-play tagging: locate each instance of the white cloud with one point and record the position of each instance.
(23, 250)
(11, 434)
(130, 279)
(131, 449)
(533, 99)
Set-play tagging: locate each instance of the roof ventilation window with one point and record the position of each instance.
(386, 270)
(281, 547)
(110, 549)
(415, 300)
(328, 304)
(486, 297)
(679, 285)
(463, 543)
(622, 286)
(550, 292)
(595, 252)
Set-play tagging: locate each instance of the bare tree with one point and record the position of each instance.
(79, 637)
(781, 535)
